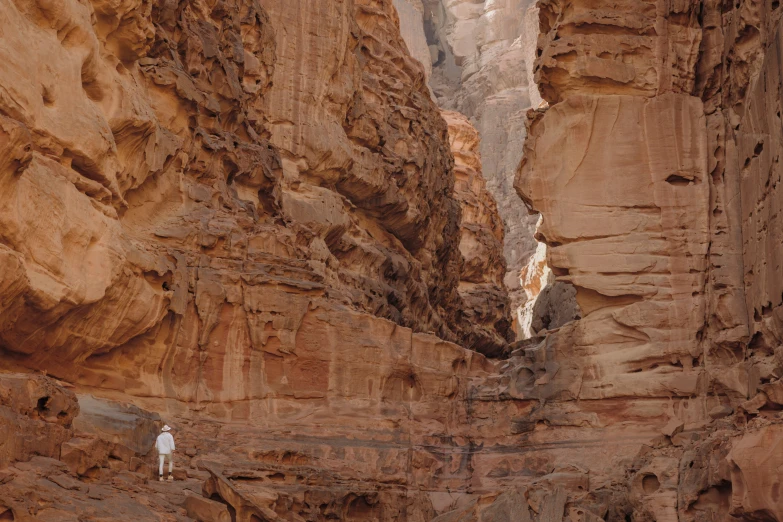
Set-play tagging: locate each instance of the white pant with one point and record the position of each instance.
(163, 456)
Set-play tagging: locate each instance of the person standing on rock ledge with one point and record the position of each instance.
(165, 447)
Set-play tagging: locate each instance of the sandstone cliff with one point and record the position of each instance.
(250, 221)
(187, 182)
(237, 212)
(654, 214)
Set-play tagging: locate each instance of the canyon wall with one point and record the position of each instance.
(651, 173)
(242, 216)
(481, 56)
(186, 180)
(251, 221)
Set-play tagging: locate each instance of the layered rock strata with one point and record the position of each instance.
(185, 181)
(420, 445)
(641, 168)
(241, 217)
(239, 214)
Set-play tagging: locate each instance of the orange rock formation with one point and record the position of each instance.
(235, 212)
(249, 220)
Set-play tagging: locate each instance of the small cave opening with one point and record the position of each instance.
(759, 344)
(402, 386)
(90, 83)
(650, 484)
(42, 403)
(163, 281)
(714, 498)
(679, 181)
(361, 508)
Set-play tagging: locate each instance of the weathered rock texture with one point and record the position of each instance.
(650, 170)
(482, 63)
(243, 219)
(36, 417)
(184, 181)
(243, 212)
(481, 242)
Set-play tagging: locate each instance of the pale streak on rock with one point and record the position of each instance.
(482, 57)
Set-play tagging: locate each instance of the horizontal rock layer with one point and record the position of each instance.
(240, 220)
(641, 169)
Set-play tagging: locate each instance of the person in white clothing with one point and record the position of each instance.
(165, 446)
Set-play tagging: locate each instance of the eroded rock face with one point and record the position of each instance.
(755, 483)
(179, 182)
(618, 169)
(356, 115)
(244, 220)
(637, 269)
(651, 211)
(481, 243)
(241, 212)
(36, 417)
(481, 54)
(391, 435)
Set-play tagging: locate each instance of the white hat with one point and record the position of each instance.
(165, 428)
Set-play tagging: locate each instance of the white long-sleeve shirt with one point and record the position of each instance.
(165, 443)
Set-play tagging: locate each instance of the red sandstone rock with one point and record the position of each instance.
(195, 219)
(36, 417)
(241, 217)
(204, 509)
(182, 179)
(635, 169)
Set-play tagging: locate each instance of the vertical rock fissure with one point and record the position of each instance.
(480, 61)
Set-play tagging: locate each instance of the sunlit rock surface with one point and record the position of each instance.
(251, 222)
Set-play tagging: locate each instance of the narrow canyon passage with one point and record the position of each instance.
(391, 260)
